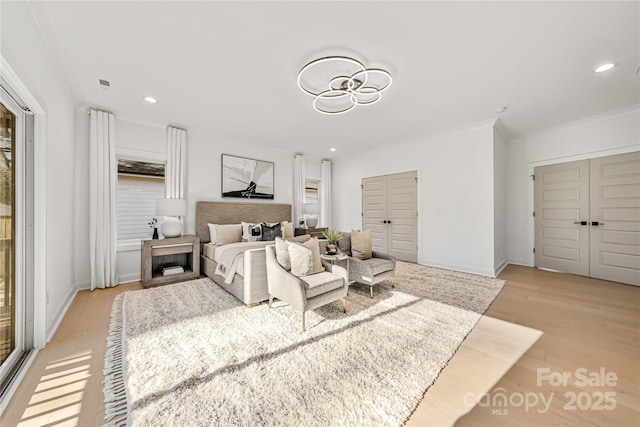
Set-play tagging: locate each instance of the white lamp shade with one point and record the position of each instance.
(171, 207)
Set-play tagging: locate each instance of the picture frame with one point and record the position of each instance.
(247, 178)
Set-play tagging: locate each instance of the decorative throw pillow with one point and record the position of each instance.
(287, 229)
(251, 232)
(282, 249)
(361, 245)
(299, 239)
(344, 244)
(212, 233)
(270, 233)
(282, 253)
(305, 257)
(228, 233)
(301, 259)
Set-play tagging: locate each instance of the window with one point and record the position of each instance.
(311, 190)
(139, 185)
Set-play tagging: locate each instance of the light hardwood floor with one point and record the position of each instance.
(540, 320)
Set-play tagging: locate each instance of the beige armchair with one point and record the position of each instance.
(370, 272)
(306, 292)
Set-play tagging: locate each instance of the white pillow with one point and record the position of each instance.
(212, 233)
(305, 257)
(282, 253)
(301, 259)
(228, 233)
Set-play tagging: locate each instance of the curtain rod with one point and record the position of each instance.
(98, 110)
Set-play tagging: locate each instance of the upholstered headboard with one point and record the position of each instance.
(236, 212)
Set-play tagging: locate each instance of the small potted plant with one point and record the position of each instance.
(332, 236)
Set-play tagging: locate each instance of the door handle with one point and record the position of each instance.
(581, 222)
(596, 223)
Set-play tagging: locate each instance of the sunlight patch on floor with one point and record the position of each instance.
(57, 398)
(486, 355)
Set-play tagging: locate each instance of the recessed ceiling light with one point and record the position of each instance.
(501, 110)
(332, 149)
(605, 67)
(150, 99)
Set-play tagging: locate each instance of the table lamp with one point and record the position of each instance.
(311, 209)
(171, 209)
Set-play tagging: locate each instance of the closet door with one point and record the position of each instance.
(374, 210)
(561, 217)
(615, 218)
(389, 210)
(402, 218)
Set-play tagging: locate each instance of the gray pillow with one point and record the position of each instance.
(270, 233)
(344, 244)
(299, 239)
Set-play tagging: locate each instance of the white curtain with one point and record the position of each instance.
(325, 195)
(176, 159)
(299, 175)
(103, 171)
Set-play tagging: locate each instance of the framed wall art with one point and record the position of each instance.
(246, 178)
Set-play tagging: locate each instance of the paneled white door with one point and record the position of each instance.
(561, 217)
(587, 217)
(615, 218)
(374, 210)
(389, 206)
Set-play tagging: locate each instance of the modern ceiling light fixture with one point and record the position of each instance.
(605, 67)
(150, 99)
(339, 83)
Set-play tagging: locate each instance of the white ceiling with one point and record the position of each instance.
(228, 69)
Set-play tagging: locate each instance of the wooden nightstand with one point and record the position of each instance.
(314, 232)
(157, 254)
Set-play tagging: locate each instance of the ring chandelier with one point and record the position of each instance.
(339, 83)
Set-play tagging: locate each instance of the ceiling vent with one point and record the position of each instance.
(104, 84)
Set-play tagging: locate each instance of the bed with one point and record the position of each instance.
(248, 279)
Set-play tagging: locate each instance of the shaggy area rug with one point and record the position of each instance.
(190, 354)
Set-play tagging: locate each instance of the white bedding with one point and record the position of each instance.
(230, 258)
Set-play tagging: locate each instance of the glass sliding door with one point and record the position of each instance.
(11, 291)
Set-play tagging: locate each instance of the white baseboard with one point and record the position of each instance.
(461, 268)
(128, 278)
(517, 262)
(500, 267)
(84, 286)
(68, 300)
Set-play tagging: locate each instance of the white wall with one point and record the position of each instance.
(455, 194)
(204, 180)
(499, 197)
(608, 134)
(134, 140)
(25, 51)
(140, 141)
